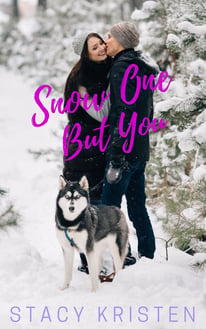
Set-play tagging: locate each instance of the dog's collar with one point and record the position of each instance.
(69, 227)
(60, 227)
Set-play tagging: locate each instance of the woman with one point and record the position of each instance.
(89, 74)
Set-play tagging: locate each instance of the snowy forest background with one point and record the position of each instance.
(35, 49)
(35, 41)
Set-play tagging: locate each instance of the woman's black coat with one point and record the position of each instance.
(89, 162)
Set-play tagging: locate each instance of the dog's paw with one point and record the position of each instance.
(64, 286)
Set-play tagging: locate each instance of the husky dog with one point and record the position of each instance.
(88, 229)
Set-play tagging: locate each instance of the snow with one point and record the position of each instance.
(199, 134)
(200, 173)
(139, 15)
(198, 68)
(190, 214)
(148, 7)
(28, 26)
(4, 18)
(4, 1)
(185, 140)
(150, 294)
(166, 105)
(199, 258)
(191, 28)
(173, 42)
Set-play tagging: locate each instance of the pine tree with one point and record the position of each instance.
(8, 215)
(174, 33)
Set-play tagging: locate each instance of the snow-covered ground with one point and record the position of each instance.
(151, 294)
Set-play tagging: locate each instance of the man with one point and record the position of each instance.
(125, 173)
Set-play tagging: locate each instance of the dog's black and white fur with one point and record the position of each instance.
(90, 229)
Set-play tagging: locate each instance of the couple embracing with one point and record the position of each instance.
(113, 174)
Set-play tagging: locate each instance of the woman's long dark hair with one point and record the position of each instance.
(74, 77)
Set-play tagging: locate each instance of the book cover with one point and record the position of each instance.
(166, 292)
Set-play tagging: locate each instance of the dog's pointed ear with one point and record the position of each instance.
(62, 182)
(84, 183)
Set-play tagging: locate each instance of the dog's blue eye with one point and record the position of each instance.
(76, 197)
(67, 197)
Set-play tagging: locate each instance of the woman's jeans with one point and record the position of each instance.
(132, 185)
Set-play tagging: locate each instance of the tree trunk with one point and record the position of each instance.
(135, 4)
(42, 4)
(15, 8)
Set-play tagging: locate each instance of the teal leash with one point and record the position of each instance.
(71, 241)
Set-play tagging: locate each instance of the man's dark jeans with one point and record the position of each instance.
(132, 185)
